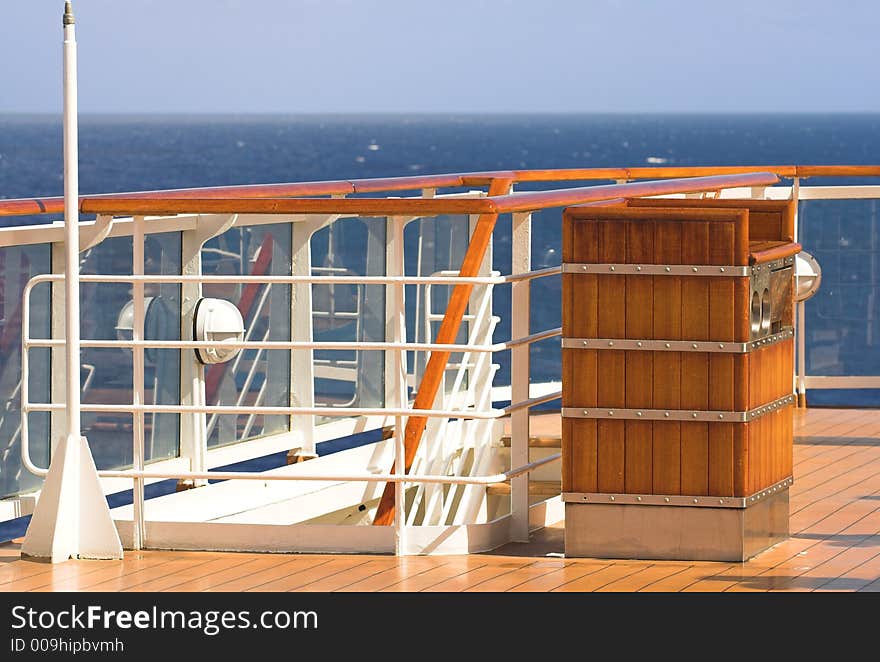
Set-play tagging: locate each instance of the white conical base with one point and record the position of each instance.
(72, 518)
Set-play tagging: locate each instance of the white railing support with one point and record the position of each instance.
(302, 364)
(193, 426)
(138, 397)
(520, 309)
(395, 370)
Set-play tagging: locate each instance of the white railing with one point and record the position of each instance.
(468, 401)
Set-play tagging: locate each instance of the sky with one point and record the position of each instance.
(452, 56)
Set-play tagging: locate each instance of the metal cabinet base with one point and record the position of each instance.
(676, 532)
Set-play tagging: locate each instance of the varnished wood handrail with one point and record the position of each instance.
(494, 204)
(55, 205)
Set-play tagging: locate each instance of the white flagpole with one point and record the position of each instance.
(71, 226)
(71, 518)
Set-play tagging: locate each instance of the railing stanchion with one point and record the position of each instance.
(397, 379)
(800, 317)
(519, 375)
(138, 417)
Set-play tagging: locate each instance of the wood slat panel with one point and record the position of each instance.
(667, 365)
(611, 363)
(639, 365)
(695, 366)
(580, 369)
(721, 367)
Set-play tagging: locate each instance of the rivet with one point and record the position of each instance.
(638, 268)
(611, 269)
(666, 499)
(611, 413)
(586, 413)
(720, 415)
(694, 345)
(638, 413)
(666, 414)
(696, 500)
(695, 269)
(721, 501)
(612, 498)
(583, 267)
(586, 343)
(668, 345)
(638, 344)
(720, 345)
(610, 344)
(668, 269)
(695, 415)
(638, 498)
(721, 270)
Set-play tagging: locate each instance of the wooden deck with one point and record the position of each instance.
(835, 546)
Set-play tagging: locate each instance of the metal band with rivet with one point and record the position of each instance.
(656, 269)
(678, 345)
(775, 264)
(678, 414)
(675, 269)
(676, 500)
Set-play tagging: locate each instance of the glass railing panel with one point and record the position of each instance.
(107, 313)
(843, 318)
(254, 377)
(17, 265)
(433, 245)
(347, 312)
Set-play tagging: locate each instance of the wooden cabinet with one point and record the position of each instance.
(677, 367)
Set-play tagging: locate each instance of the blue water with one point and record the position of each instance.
(125, 153)
(131, 153)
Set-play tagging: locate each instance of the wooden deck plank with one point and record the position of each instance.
(224, 579)
(685, 578)
(406, 567)
(351, 575)
(304, 573)
(434, 576)
(510, 580)
(644, 577)
(571, 571)
(476, 576)
(596, 580)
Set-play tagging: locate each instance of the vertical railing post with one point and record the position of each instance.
(138, 417)
(395, 370)
(521, 261)
(194, 426)
(302, 363)
(800, 317)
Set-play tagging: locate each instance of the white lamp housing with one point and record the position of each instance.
(807, 276)
(217, 320)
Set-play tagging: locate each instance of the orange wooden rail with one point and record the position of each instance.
(494, 204)
(55, 205)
